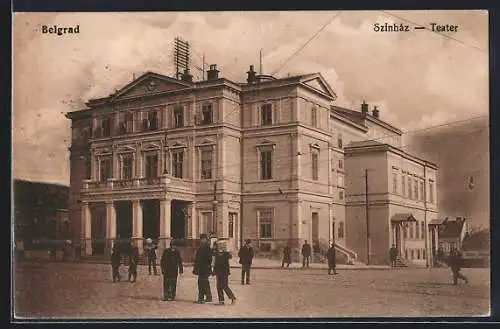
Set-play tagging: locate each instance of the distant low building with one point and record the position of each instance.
(476, 249)
(40, 212)
(451, 234)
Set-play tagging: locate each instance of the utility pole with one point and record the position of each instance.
(367, 220)
(203, 68)
(214, 209)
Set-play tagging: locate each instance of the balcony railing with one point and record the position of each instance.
(126, 183)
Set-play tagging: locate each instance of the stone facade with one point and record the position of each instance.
(263, 159)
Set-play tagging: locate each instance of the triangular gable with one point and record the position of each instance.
(125, 149)
(151, 146)
(317, 82)
(150, 83)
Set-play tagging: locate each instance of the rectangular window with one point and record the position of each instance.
(152, 120)
(206, 112)
(206, 164)
(415, 190)
(418, 253)
(88, 166)
(422, 230)
(126, 122)
(266, 115)
(339, 141)
(266, 164)
(417, 230)
(106, 127)
(423, 253)
(394, 182)
(106, 169)
(314, 117)
(152, 166)
(412, 254)
(340, 181)
(231, 223)
(341, 195)
(341, 230)
(341, 164)
(178, 117)
(422, 196)
(177, 161)
(403, 185)
(410, 196)
(207, 224)
(412, 235)
(127, 167)
(266, 223)
(315, 168)
(431, 191)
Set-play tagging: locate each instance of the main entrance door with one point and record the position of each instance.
(179, 219)
(124, 219)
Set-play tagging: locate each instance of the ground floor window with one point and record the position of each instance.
(265, 218)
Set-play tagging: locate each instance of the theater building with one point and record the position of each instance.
(264, 160)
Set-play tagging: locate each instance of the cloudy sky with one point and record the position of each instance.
(419, 78)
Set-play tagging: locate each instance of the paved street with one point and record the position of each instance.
(64, 290)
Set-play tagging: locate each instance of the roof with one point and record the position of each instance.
(451, 228)
(358, 117)
(477, 241)
(436, 221)
(403, 217)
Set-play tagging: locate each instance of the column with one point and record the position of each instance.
(138, 163)
(222, 218)
(93, 166)
(110, 225)
(116, 164)
(87, 229)
(193, 217)
(165, 219)
(137, 234)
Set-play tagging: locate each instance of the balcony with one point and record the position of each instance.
(117, 184)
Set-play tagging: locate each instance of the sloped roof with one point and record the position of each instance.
(403, 217)
(438, 221)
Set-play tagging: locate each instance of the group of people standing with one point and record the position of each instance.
(306, 253)
(209, 261)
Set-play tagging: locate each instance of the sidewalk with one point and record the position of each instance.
(263, 263)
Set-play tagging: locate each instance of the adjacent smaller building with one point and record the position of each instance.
(452, 233)
(40, 213)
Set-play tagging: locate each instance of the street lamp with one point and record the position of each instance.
(214, 209)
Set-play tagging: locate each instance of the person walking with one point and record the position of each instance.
(330, 256)
(222, 272)
(133, 259)
(203, 268)
(246, 256)
(306, 254)
(151, 255)
(456, 262)
(115, 264)
(287, 256)
(171, 267)
(393, 254)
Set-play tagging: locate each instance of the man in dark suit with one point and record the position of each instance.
(115, 264)
(393, 253)
(132, 263)
(456, 262)
(306, 254)
(330, 256)
(222, 272)
(287, 256)
(246, 256)
(151, 254)
(171, 266)
(203, 268)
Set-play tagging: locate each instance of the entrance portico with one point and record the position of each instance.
(399, 222)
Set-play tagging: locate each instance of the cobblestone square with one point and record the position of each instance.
(86, 291)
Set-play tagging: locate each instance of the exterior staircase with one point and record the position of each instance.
(400, 262)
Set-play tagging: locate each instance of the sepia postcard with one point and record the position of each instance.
(269, 165)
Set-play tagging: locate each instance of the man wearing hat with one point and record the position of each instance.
(222, 272)
(151, 254)
(246, 256)
(171, 266)
(203, 268)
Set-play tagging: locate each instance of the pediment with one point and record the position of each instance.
(151, 146)
(177, 144)
(150, 83)
(103, 151)
(319, 83)
(125, 149)
(266, 142)
(206, 142)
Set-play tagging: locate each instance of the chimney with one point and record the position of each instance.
(186, 76)
(375, 112)
(251, 75)
(213, 73)
(364, 109)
